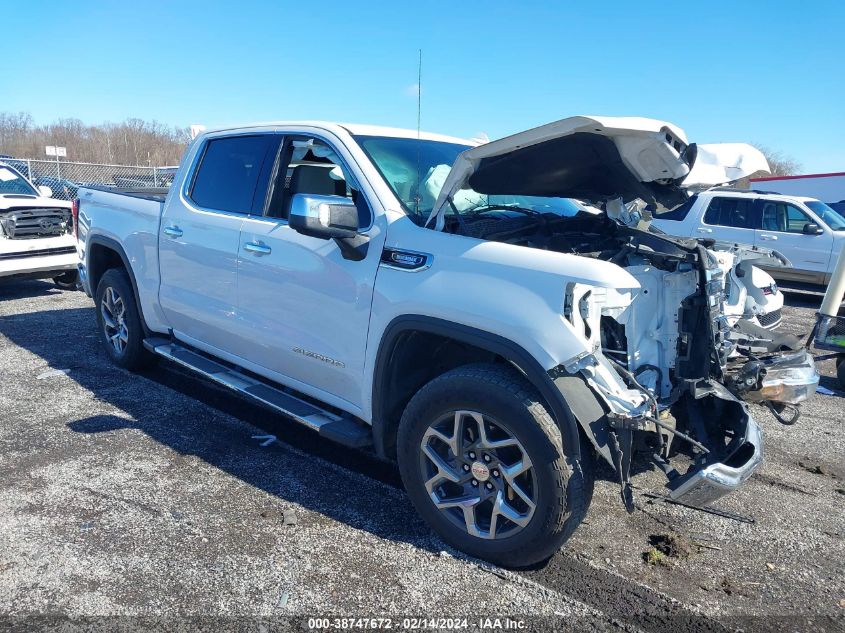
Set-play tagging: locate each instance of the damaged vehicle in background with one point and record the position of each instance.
(451, 306)
(35, 232)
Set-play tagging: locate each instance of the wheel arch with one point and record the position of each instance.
(385, 418)
(104, 253)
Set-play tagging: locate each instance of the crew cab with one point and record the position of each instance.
(806, 231)
(451, 307)
(35, 232)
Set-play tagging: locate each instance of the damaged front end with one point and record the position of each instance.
(672, 374)
(664, 370)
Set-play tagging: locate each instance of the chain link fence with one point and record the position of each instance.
(64, 178)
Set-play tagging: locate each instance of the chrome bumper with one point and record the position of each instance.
(714, 481)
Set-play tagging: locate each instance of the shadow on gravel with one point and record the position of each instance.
(28, 289)
(67, 339)
(808, 299)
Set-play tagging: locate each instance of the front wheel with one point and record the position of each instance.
(484, 464)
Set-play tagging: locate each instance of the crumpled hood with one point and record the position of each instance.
(597, 158)
(19, 201)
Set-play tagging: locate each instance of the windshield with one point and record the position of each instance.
(827, 215)
(415, 170)
(12, 182)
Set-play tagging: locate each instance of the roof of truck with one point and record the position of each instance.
(352, 128)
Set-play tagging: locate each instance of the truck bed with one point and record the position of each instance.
(128, 217)
(145, 193)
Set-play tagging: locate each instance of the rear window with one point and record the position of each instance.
(228, 173)
(735, 212)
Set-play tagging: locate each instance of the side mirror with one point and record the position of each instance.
(45, 191)
(811, 228)
(323, 217)
(329, 217)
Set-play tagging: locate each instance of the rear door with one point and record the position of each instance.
(728, 219)
(781, 228)
(304, 310)
(199, 236)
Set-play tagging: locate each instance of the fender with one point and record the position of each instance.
(507, 349)
(115, 246)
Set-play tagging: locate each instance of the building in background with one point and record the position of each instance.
(829, 188)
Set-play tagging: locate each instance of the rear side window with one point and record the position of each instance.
(734, 212)
(229, 171)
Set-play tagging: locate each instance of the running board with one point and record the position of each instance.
(331, 426)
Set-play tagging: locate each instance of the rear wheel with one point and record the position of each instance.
(484, 464)
(840, 371)
(120, 321)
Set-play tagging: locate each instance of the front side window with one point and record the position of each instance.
(830, 217)
(784, 218)
(733, 212)
(310, 166)
(11, 182)
(228, 173)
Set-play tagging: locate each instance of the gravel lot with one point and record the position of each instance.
(148, 496)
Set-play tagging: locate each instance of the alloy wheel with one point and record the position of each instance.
(478, 475)
(113, 311)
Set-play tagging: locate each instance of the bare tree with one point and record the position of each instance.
(133, 142)
(779, 163)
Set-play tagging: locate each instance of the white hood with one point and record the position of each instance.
(20, 201)
(597, 158)
(722, 163)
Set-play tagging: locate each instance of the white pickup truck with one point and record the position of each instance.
(449, 306)
(35, 232)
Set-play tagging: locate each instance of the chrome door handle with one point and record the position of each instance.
(703, 230)
(766, 236)
(257, 248)
(173, 231)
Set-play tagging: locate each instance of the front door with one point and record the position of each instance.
(303, 309)
(199, 236)
(782, 228)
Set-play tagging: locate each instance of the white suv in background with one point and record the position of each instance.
(36, 232)
(804, 230)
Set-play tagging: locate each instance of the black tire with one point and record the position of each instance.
(133, 355)
(68, 280)
(563, 488)
(840, 371)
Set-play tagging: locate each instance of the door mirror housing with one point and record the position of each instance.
(323, 217)
(329, 217)
(811, 228)
(45, 191)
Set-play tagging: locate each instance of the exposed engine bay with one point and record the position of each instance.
(670, 370)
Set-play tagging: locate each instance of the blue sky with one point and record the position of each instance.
(766, 72)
